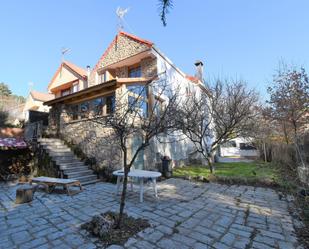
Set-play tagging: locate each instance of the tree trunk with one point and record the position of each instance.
(211, 165)
(265, 155)
(124, 189)
(285, 134)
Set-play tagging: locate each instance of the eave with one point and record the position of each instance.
(98, 90)
(83, 93)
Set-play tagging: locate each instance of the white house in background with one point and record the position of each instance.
(35, 102)
(239, 147)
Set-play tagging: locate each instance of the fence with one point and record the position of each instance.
(295, 158)
(33, 131)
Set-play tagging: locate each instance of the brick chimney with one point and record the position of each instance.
(199, 70)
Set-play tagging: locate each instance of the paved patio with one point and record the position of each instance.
(187, 215)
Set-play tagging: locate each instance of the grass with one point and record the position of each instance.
(253, 171)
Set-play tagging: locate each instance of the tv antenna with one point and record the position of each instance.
(121, 13)
(63, 52)
(30, 84)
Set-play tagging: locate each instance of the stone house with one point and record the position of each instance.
(82, 95)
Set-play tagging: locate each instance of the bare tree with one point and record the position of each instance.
(289, 102)
(289, 98)
(216, 115)
(143, 110)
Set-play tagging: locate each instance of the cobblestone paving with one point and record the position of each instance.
(186, 215)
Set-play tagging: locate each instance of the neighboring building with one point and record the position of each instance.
(239, 147)
(35, 102)
(128, 61)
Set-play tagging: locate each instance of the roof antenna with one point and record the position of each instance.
(30, 84)
(63, 52)
(121, 13)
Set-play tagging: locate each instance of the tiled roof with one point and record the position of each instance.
(192, 78)
(77, 69)
(148, 43)
(41, 96)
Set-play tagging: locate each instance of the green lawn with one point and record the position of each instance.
(249, 171)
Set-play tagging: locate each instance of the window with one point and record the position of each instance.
(97, 106)
(137, 98)
(229, 144)
(158, 106)
(74, 112)
(65, 92)
(84, 110)
(110, 104)
(246, 146)
(102, 77)
(75, 88)
(135, 72)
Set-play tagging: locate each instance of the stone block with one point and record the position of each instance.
(24, 194)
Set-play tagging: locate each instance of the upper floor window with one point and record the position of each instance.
(65, 92)
(75, 88)
(135, 72)
(103, 77)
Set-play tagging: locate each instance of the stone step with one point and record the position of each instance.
(72, 164)
(64, 157)
(58, 150)
(86, 178)
(73, 168)
(49, 140)
(79, 173)
(90, 182)
(52, 143)
(67, 161)
(64, 161)
(54, 147)
(62, 153)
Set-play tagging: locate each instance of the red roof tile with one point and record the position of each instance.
(41, 96)
(192, 78)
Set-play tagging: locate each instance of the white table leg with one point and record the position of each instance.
(118, 184)
(141, 190)
(154, 184)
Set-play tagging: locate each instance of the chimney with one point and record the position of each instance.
(199, 70)
(88, 71)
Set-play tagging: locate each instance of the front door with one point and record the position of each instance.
(139, 160)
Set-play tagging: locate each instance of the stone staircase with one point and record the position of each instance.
(66, 161)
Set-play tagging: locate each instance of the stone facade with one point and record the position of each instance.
(121, 48)
(149, 67)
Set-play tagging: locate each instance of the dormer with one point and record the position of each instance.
(68, 79)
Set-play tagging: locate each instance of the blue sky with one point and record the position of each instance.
(239, 38)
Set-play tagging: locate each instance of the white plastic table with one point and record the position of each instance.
(140, 175)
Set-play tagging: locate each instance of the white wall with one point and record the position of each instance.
(180, 148)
